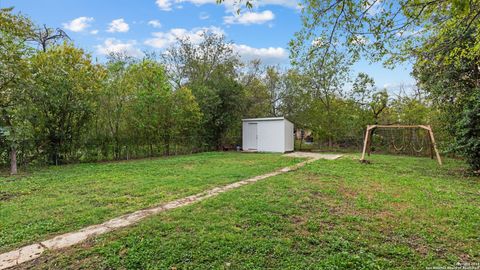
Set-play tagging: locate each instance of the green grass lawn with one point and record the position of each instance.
(397, 213)
(64, 198)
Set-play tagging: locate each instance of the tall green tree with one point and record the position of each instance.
(65, 84)
(372, 100)
(453, 82)
(257, 103)
(112, 107)
(294, 97)
(15, 30)
(192, 62)
(274, 81)
(468, 134)
(151, 104)
(210, 69)
(221, 101)
(324, 81)
(186, 120)
(387, 30)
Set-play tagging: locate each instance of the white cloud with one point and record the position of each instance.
(250, 18)
(374, 7)
(118, 25)
(270, 55)
(285, 3)
(230, 5)
(155, 23)
(408, 33)
(317, 42)
(198, 2)
(79, 24)
(94, 32)
(203, 16)
(162, 40)
(234, 5)
(112, 45)
(165, 5)
(359, 40)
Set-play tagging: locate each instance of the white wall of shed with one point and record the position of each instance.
(289, 136)
(270, 136)
(247, 143)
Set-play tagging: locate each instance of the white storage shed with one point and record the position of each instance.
(273, 134)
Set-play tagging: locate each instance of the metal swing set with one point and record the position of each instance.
(367, 143)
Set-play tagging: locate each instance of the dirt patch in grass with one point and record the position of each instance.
(5, 196)
(347, 193)
(297, 220)
(384, 215)
(188, 167)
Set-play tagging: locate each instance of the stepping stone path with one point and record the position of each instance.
(31, 252)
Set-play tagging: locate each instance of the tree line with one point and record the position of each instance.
(439, 37)
(59, 106)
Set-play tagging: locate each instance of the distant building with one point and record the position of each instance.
(305, 134)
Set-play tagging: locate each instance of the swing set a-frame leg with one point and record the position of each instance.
(434, 145)
(366, 142)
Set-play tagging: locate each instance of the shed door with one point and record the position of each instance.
(252, 137)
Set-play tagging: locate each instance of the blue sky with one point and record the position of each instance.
(103, 26)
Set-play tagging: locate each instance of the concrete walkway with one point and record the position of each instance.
(31, 252)
(313, 155)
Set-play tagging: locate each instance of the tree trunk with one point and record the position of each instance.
(117, 148)
(13, 161)
(167, 148)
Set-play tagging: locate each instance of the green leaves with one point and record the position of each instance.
(468, 133)
(443, 37)
(65, 85)
(210, 70)
(447, 68)
(15, 80)
(15, 25)
(392, 30)
(138, 107)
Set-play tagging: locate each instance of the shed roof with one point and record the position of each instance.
(265, 119)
